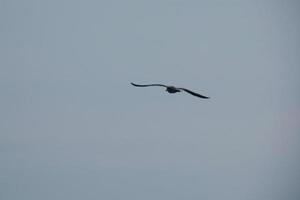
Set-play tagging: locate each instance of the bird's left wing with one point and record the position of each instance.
(147, 85)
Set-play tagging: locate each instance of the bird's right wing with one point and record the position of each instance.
(194, 93)
(147, 85)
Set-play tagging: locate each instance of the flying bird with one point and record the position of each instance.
(172, 89)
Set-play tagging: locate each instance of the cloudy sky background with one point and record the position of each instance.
(72, 127)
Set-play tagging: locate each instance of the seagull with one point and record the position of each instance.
(172, 89)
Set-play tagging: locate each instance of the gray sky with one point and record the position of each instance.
(72, 127)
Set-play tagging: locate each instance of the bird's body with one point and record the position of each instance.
(172, 89)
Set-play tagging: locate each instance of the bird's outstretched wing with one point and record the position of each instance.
(147, 85)
(194, 93)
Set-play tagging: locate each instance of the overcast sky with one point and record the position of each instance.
(72, 126)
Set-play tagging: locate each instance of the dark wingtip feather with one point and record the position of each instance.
(133, 84)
